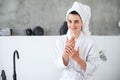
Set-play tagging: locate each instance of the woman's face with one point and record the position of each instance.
(74, 23)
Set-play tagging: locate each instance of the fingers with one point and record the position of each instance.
(76, 51)
(72, 39)
(68, 50)
(73, 43)
(70, 42)
(69, 46)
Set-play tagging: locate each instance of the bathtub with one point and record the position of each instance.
(37, 62)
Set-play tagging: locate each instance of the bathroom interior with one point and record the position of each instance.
(29, 29)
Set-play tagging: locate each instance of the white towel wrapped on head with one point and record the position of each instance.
(85, 13)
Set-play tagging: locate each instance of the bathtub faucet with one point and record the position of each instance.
(14, 67)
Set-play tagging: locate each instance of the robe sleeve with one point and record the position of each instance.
(93, 59)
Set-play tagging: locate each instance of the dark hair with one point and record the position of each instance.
(75, 13)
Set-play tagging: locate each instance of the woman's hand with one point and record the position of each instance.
(77, 58)
(69, 46)
(68, 50)
(75, 55)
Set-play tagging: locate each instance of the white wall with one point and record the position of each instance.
(36, 57)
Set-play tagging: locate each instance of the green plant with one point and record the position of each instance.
(102, 56)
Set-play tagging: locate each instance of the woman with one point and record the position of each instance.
(75, 52)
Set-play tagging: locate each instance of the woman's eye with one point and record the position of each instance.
(70, 21)
(76, 21)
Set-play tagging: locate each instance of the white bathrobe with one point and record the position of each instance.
(87, 52)
(86, 45)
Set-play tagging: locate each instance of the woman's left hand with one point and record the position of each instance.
(77, 58)
(75, 54)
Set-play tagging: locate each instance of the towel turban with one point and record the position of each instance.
(85, 13)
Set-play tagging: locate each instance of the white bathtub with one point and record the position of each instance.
(36, 57)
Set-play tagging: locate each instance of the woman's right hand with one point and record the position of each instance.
(69, 47)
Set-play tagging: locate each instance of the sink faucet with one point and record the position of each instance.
(14, 67)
